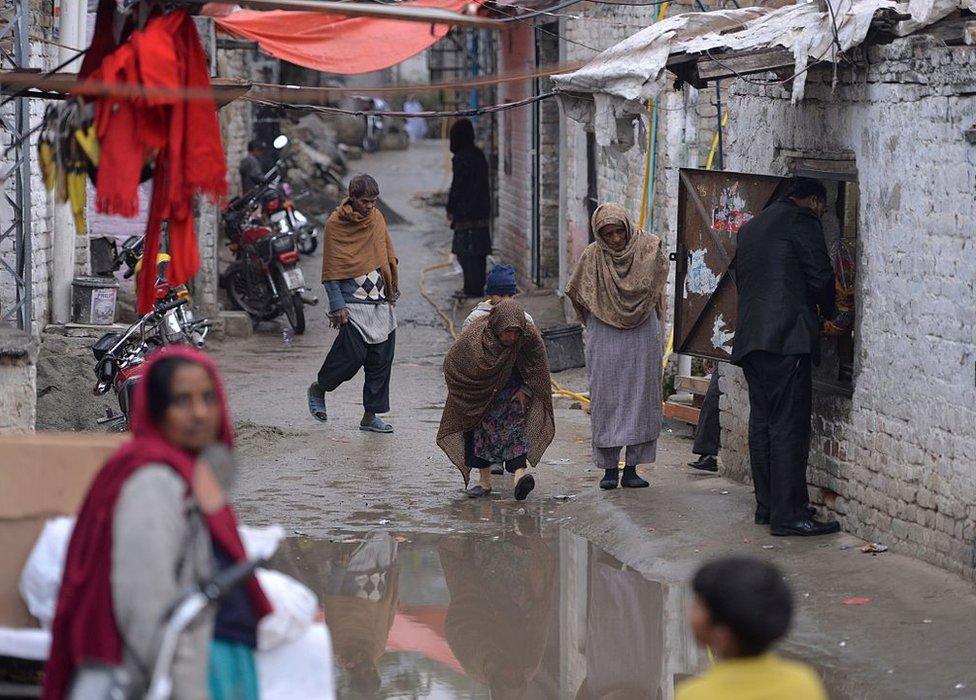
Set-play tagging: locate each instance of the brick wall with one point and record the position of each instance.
(899, 453)
(42, 57)
(513, 223)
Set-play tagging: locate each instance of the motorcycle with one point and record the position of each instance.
(278, 206)
(264, 280)
(373, 132)
(119, 356)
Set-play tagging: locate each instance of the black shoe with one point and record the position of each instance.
(805, 528)
(610, 478)
(524, 487)
(707, 463)
(497, 469)
(478, 491)
(630, 479)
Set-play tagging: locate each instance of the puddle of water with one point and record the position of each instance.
(509, 615)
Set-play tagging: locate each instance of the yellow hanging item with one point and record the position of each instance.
(88, 140)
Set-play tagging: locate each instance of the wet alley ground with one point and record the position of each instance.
(572, 593)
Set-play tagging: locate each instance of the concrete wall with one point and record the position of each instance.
(18, 380)
(899, 454)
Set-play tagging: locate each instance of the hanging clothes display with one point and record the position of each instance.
(161, 114)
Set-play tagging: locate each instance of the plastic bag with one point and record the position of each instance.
(293, 609)
(40, 579)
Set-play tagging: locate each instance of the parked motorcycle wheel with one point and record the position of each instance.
(295, 312)
(307, 244)
(256, 302)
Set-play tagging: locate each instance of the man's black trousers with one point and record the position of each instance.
(474, 269)
(780, 396)
(349, 353)
(708, 436)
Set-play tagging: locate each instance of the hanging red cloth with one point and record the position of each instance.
(336, 44)
(172, 123)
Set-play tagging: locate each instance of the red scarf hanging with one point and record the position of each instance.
(84, 625)
(175, 127)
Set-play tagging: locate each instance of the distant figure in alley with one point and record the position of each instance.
(250, 166)
(499, 401)
(786, 284)
(469, 207)
(617, 290)
(359, 271)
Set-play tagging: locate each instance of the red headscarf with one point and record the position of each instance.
(84, 626)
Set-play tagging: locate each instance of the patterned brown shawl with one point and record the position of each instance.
(478, 366)
(619, 288)
(355, 245)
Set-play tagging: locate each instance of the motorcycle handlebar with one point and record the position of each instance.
(228, 579)
(169, 306)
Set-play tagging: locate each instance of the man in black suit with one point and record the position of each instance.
(785, 283)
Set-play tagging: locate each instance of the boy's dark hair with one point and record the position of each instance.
(363, 186)
(254, 145)
(160, 387)
(803, 187)
(749, 597)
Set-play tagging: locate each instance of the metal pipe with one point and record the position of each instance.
(25, 263)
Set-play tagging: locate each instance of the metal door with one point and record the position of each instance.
(712, 206)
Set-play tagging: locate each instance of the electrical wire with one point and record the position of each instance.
(430, 114)
(60, 66)
(516, 18)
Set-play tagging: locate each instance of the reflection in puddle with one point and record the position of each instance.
(504, 616)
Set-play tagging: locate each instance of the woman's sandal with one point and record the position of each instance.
(524, 486)
(478, 491)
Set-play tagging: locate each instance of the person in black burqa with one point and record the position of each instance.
(469, 207)
(785, 285)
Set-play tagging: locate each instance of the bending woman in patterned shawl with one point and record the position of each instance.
(499, 401)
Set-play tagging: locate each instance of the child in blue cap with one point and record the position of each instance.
(500, 285)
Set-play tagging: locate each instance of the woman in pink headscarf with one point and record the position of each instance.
(154, 522)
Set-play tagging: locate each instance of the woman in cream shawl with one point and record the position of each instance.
(617, 290)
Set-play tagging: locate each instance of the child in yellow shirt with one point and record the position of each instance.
(742, 606)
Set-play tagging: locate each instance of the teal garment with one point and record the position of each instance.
(232, 672)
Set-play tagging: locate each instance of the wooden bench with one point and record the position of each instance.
(688, 413)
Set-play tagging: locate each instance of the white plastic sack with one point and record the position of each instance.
(41, 578)
(300, 669)
(293, 609)
(261, 542)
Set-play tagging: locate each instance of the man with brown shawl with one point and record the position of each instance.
(617, 290)
(499, 404)
(359, 270)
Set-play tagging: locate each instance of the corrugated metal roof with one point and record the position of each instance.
(623, 78)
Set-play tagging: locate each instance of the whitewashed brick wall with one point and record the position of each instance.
(899, 454)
